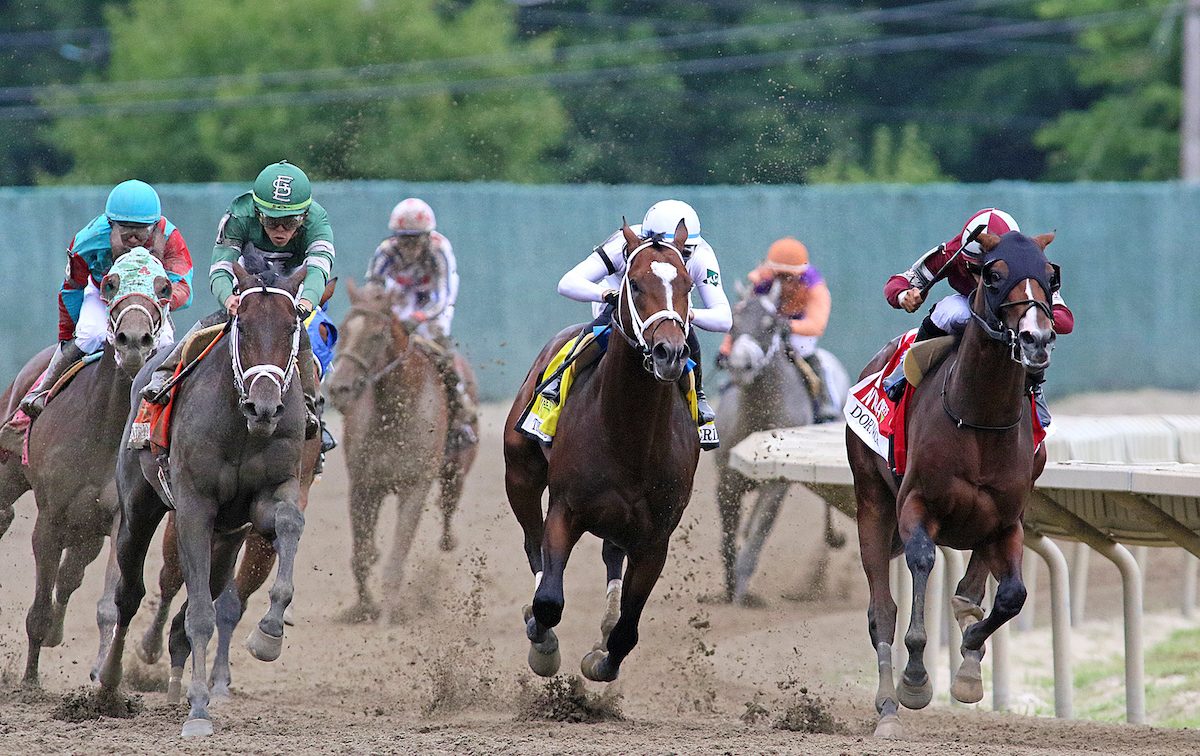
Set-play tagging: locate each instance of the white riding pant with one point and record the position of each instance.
(952, 313)
(803, 346)
(92, 328)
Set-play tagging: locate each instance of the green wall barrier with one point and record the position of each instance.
(1126, 250)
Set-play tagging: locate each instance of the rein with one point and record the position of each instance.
(640, 324)
(959, 422)
(244, 378)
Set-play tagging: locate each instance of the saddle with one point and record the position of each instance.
(539, 421)
(151, 427)
(15, 434)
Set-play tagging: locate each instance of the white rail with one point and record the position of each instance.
(1140, 485)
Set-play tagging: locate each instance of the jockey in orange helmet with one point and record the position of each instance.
(805, 301)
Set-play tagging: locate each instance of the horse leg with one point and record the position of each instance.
(731, 487)
(453, 475)
(170, 580)
(278, 518)
(409, 504)
(179, 649)
(546, 610)
(229, 607)
(758, 527)
(140, 515)
(916, 689)
(603, 665)
(75, 559)
(525, 478)
(967, 604)
(614, 563)
(1003, 558)
(194, 525)
(106, 607)
(47, 551)
(365, 501)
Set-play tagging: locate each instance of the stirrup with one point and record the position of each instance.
(704, 413)
(328, 442)
(34, 403)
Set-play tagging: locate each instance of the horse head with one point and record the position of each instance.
(265, 339)
(1013, 303)
(371, 339)
(653, 313)
(756, 334)
(137, 292)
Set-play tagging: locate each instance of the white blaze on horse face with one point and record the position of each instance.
(1029, 321)
(667, 273)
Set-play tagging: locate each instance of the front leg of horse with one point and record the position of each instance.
(228, 609)
(548, 598)
(266, 640)
(967, 685)
(604, 665)
(47, 550)
(731, 487)
(916, 689)
(106, 607)
(75, 560)
(1010, 597)
(365, 501)
(758, 527)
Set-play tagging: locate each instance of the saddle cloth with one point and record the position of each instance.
(152, 424)
(21, 422)
(879, 422)
(539, 421)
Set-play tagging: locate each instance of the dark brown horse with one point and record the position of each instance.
(236, 437)
(258, 558)
(971, 465)
(72, 453)
(623, 459)
(395, 414)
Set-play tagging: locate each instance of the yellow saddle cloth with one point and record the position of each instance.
(539, 421)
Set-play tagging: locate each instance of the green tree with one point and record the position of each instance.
(909, 162)
(225, 87)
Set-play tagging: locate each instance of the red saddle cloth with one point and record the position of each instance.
(156, 419)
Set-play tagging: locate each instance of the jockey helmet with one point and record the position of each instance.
(663, 217)
(788, 256)
(411, 217)
(282, 189)
(133, 202)
(993, 221)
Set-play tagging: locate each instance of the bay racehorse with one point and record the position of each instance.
(236, 437)
(258, 558)
(72, 450)
(971, 464)
(765, 391)
(393, 402)
(622, 462)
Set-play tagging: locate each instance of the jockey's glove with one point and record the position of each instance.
(611, 298)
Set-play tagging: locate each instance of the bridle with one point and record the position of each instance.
(771, 349)
(244, 378)
(640, 324)
(115, 317)
(363, 364)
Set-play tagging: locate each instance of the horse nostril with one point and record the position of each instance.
(147, 341)
(122, 340)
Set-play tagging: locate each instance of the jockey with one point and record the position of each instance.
(598, 278)
(908, 290)
(278, 222)
(805, 300)
(418, 264)
(132, 218)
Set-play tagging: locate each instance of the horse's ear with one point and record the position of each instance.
(1044, 239)
(162, 290)
(109, 285)
(775, 292)
(329, 289)
(295, 281)
(988, 241)
(681, 235)
(351, 288)
(240, 274)
(631, 240)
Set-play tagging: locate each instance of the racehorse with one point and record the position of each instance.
(236, 437)
(765, 391)
(258, 558)
(622, 462)
(393, 402)
(971, 463)
(72, 450)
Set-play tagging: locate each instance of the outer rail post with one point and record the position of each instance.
(1060, 621)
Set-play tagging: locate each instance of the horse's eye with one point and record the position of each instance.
(994, 276)
(633, 287)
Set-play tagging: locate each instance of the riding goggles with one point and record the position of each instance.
(286, 222)
(140, 232)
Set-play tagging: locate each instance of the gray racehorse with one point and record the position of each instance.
(765, 391)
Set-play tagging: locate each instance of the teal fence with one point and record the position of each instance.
(1127, 252)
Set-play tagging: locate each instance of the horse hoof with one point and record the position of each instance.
(889, 728)
(197, 728)
(361, 612)
(968, 682)
(544, 664)
(264, 647)
(596, 667)
(148, 654)
(175, 687)
(448, 542)
(915, 696)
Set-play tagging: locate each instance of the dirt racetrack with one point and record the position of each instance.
(451, 678)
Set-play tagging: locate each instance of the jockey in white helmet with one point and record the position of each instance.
(598, 278)
(417, 263)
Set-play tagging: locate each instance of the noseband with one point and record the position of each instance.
(115, 318)
(995, 328)
(244, 378)
(640, 324)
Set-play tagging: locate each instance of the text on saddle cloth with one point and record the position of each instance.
(539, 421)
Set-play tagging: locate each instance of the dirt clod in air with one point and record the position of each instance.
(87, 704)
(566, 699)
(810, 713)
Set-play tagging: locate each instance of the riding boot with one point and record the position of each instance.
(1034, 382)
(895, 383)
(153, 390)
(306, 363)
(824, 408)
(460, 408)
(66, 355)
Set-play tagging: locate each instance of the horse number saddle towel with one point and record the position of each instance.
(539, 421)
(878, 421)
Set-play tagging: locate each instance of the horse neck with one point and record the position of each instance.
(986, 379)
(404, 384)
(634, 404)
